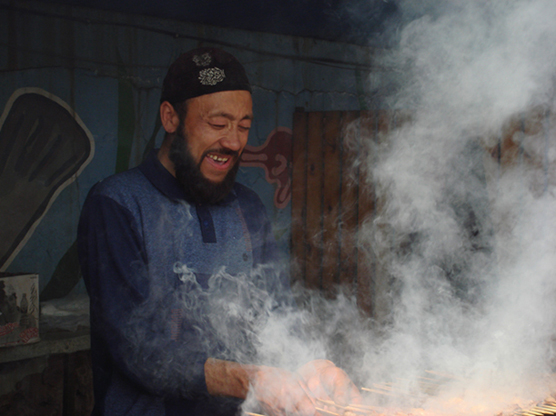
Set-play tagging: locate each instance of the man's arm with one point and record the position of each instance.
(227, 378)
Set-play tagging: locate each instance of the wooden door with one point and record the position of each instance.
(331, 198)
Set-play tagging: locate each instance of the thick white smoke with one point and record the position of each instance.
(476, 292)
(465, 241)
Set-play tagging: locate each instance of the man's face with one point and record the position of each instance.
(207, 148)
(217, 126)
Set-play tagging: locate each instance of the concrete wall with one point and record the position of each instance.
(108, 69)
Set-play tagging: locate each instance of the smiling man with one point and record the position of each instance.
(154, 244)
(204, 149)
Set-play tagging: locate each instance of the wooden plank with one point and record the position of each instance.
(510, 149)
(535, 148)
(366, 259)
(549, 164)
(299, 188)
(313, 222)
(535, 124)
(348, 200)
(381, 301)
(332, 182)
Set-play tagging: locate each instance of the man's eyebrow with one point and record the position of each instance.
(231, 117)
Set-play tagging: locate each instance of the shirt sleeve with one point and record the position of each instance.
(130, 333)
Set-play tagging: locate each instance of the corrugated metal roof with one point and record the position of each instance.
(353, 21)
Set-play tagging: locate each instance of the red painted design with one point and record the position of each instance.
(29, 334)
(275, 157)
(8, 328)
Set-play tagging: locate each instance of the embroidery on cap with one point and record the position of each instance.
(211, 76)
(202, 60)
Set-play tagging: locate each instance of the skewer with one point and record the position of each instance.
(547, 410)
(356, 409)
(544, 412)
(534, 410)
(327, 411)
(423, 382)
(543, 409)
(547, 407)
(363, 406)
(330, 402)
(443, 375)
(432, 380)
(392, 392)
(348, 407)
(383, 386)
(377, 391)
(429, 381)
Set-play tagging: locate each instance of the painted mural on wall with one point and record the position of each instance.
(44, 146)
(274, 156)
(115, 87)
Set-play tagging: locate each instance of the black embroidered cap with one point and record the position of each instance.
(203, 71)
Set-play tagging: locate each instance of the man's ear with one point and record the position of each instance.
(169, 117)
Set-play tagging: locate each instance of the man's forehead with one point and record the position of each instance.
(223, 103)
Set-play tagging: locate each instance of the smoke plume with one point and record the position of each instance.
(475, 280)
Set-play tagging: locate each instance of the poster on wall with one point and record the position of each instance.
(19, 309)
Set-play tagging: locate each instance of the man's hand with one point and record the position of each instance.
(278, 392)
(328, 382)
(281, 392)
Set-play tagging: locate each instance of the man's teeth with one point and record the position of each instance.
(218, 158)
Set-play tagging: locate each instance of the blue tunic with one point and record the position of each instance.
(172, 284)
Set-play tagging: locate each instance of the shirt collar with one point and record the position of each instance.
(166, 183)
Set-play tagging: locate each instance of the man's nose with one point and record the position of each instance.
(233, 140)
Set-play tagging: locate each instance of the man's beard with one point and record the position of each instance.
(198, 189)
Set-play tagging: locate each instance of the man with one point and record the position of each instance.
(179, 264)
